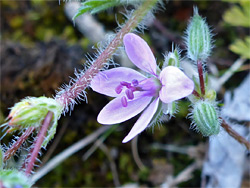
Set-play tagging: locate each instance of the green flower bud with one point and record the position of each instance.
(205, 118)
(198, 38)
(30, 112)
(13, 178)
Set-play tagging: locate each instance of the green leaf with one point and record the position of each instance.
(241, 47)
(103, 7)
(95, 6)
(238, 15)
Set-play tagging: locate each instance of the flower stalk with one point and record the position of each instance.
(201, 78)
(39, 142)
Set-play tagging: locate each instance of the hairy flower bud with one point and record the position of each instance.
(205, 118)
(198, 38)
(30, 112)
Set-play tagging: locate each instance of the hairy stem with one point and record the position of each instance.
(201, 77)
(12, 150)
(38, 143)
(68, 96)
(235, 135)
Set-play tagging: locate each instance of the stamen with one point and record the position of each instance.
(129, 94)
(135, 82)
(118, 89)
(124, 101)
(123, 83)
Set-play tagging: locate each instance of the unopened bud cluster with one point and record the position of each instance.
(198, 38)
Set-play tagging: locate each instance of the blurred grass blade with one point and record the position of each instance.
(99, 142)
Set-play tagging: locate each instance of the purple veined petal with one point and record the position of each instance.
(114, 112)
(175, 84)
(139, 53)
(143, 121)
(107, 81)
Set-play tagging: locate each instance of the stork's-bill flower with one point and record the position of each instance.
(135, 92)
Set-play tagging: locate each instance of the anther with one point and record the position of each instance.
(129, 94)
(123, 83)
(124, 101)
(118, 89)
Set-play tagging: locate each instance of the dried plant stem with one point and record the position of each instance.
(201, 77)
(80, 85)
(113, 167)
(135, 153)
(12, 150)
(38, 143)
(54, 162)
(235, 135)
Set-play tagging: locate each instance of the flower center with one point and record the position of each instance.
(150, 85)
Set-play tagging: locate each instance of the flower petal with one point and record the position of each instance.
(139, 53)
(114, 112)
(175, 84)
(143, 121)
(105, 82)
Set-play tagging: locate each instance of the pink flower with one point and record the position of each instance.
(135, 92)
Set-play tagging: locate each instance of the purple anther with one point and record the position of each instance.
(124, 101)
(129, 94)
(118, 89)
(123, 83)
(135, 82)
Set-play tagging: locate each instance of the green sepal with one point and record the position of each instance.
(196, 85)
(172, 59)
